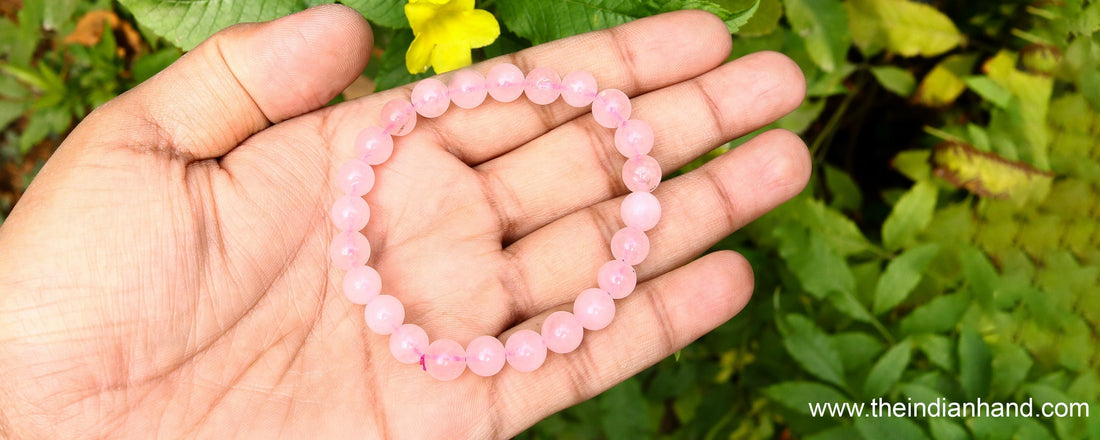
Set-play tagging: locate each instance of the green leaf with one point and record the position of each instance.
(10, 111)
(944, 429)
(939, 349)
(895, 428)
(975, 364)
(1010, 365)
(843, 191)
(887, 370)
(810, 347)
(764, 21)
(902, 275)
(824, 26)
(856, 349)
(623, 406)
(735, 20)
(988, 89)
(384, 12)
(841, 432)
(980, 273)
(937, 316)
(943, 84)
(148, 65)
(901, 26)
(391, 70)
(544, 20)
(847, 303)
(186, 23)
(913, 164)
(895, 79)
(818, 267)
(798, 395)
(910, 216)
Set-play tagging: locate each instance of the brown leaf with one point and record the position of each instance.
(987, 174)
(89, 32)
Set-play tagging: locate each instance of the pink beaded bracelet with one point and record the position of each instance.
(525, 350)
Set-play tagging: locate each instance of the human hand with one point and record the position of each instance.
(167, 273)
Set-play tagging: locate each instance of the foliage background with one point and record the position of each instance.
(947, 246)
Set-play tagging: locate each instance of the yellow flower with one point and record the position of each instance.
(445, 32)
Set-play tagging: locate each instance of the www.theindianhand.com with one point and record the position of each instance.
(944, 408)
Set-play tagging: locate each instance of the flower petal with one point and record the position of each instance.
(420, 15)
(419, 55)
(479, 27)
(450, 56)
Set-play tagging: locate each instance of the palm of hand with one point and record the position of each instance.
(170, 279)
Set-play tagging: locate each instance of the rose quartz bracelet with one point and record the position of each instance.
(593, 309)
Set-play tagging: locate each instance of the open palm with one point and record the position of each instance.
(167, 272)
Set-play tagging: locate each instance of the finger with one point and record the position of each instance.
(643, 55)
(662, 316)
(698, 209)
(241, 80)
(688, 119)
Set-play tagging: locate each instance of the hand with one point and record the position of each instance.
(167, 273)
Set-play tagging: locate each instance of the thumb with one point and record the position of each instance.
(241, 80)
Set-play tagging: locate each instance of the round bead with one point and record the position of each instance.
(630, 245)
(398, 117)
(594, 309)
(373, 145)
(543, 85)
(361, 284)
(561, 332)
(384, 314)
(617, 279)
(429, 97)
(445, 360)
(505, 82)
(611, 108)
(525, 350)
(640, 209)
(641, 173)
(467, 88)
(350, 213)
(578, 89)
(634, 138)
(485, 356)
(408, 343)
(349, 249)
(355, 178)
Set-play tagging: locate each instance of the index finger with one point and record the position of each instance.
(640, 56)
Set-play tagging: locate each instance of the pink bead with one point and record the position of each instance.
(398, 117)
(641, 210)
(641, 173)
(617, 279)
(630, 245)
(525, 350)
(578, 89)
(543, 85)
(384, 314)
(408, 343)
(467, 88)
(611, 108)
(445, 360)
(349, 249)
(355, 178)
(594, 309)
(373, 145)
(350, 213)
(562, 332)
(485, 356)
(429, 97)
(634, 138)
(362, 284)
(505, 82)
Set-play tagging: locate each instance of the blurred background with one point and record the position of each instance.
(948, 245)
